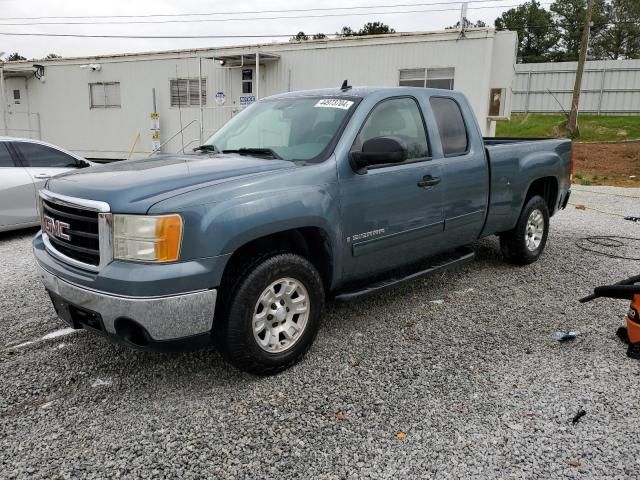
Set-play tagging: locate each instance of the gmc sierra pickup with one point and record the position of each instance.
(303, 195)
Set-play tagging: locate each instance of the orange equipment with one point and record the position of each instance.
(628, 289)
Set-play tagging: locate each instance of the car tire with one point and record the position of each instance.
(272, 313)
(525, 243)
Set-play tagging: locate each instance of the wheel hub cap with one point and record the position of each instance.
(280, 315)
(535, 230)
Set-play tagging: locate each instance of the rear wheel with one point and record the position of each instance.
(525, 243)
(273, 314)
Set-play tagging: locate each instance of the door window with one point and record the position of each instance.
(36, 155)
(453, 132)
(5, 156)
(397, 117)
(247, 80)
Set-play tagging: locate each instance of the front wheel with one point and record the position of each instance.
(525, 243)
(273, 315)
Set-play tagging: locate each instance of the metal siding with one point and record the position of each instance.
(608, 86)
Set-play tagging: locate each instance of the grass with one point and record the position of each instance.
(593, 128)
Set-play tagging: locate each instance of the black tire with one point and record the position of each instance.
(514, 243)
(234, 334)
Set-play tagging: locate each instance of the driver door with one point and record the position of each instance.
(393, 214)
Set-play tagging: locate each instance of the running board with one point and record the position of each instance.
(458, 256)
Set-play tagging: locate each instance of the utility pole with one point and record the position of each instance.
(584, 46)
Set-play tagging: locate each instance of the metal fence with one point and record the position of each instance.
(608, 87)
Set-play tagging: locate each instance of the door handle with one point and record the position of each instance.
(428, 181)
(42, 176)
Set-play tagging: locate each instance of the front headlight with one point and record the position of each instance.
(147, 238)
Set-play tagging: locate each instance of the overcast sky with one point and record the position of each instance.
(38, 47)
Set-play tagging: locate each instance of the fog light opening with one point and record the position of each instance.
(131, 332)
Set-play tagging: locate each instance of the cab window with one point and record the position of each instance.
(453, 132)
(400, 118)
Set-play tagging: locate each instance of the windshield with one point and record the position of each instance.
(291, 128)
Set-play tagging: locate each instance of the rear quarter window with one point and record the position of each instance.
(451, 126)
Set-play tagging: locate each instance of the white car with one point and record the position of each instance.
(25, 166)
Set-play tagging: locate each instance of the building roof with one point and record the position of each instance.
(399, 37)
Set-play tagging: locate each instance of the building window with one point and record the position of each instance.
(427, 77)
(413, 77)
(104, 95)
(247, 80)
(440, 78)
(184, 92)
(16, 97)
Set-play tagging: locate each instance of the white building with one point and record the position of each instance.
(100, 107)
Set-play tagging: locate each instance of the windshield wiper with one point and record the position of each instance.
(255, 151)
(206, 148)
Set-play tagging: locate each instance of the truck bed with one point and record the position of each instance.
(510, 179)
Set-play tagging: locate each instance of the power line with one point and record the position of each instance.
(203, 14)
(286, 17)
(178, 37)
(160, 37)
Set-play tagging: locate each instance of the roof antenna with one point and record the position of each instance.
(345, 86)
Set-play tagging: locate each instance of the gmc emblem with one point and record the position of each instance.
(56, 228)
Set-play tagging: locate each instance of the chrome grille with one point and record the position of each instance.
(75, 230)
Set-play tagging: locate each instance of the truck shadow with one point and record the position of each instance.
(170, 373)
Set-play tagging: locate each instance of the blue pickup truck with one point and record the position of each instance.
(302, 196)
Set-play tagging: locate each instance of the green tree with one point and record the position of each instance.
(347, 32)
(467, 24)
(537, 34)
(14, 57)
(569, 17)
(299, 37)
(620, 38)
(51, 56)
(318, 36)
(375, 28)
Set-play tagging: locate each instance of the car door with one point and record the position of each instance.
(43, 162)
(392, 215)
(464, 169)
(18, 206)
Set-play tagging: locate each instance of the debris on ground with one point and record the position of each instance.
(581, 413)
(340, 416)
(565, 336)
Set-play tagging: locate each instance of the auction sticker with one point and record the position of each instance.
(334, 103)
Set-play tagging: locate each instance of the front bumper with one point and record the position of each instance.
(155, 321)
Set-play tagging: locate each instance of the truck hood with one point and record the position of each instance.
(133, 186)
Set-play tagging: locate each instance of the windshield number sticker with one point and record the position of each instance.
(334, 103)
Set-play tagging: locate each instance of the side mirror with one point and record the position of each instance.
(378, 151)
(82, 164)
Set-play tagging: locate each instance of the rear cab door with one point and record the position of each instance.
(18, 205)
(465, 170)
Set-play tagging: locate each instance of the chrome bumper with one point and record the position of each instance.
(164, 318)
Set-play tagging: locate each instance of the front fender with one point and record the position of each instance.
(221, 228)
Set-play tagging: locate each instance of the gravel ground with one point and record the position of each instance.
(455, 376)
